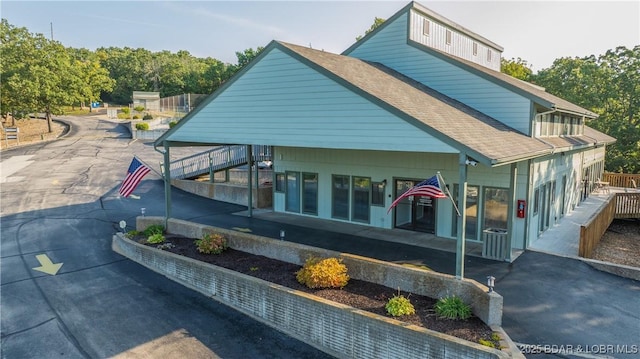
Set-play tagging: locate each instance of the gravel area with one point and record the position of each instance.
(620, 243)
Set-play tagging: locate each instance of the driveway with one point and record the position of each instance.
(60, 204)
(64, 203)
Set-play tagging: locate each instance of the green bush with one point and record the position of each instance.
(172, 124)
(452, 308)
(153, 229)
(125, 110)
(132, 233)
(123, 116)
(147, 116)
(136, 117)
(323, 273)
(155, 238)
(139, 108)
(493, 342)
(399, 305)
(142, 126)
(211, 244)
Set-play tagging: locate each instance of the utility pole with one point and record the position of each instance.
(51, 23)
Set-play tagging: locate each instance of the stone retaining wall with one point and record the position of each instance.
(339, 330)
(486, 306)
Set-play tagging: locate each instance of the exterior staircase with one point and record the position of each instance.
(218, 159)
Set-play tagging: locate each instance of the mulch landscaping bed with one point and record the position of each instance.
(358, 294)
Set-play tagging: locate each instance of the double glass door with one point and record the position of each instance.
(416, 213)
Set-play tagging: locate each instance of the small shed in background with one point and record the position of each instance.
(149, 100)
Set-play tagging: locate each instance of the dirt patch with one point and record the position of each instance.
(30, 130)
(358, 294)
(620, 243)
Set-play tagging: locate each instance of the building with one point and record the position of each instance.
(149, 100)
(417, 96)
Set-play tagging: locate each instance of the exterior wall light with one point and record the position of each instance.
(491, 282)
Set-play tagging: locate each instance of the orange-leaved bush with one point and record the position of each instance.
(323, 273)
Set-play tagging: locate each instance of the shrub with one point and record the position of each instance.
(212, 244)
(452, 308)
(155, 238)
(125, 110)
(147, 116)
(323, 273)
(136, 117)
(123, 116)
(172, 124)
(494, 342)
(399, 305)
(142, 126)
(153, 229)
(139, 108)
(132, 233)
(487, 343)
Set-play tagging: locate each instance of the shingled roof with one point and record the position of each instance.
(535, 93)
(482, 137)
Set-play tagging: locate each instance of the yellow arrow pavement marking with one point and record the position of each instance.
(245, 230)
(46, 266)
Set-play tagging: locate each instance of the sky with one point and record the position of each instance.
(536, 31)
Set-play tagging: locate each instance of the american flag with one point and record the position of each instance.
(427, 188)
(134, 175)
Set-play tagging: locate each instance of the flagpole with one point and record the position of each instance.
(149, 167)
(439, 178)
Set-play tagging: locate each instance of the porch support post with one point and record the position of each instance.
(249, 181)
(511, 209)
(167, 183)
(462, 206)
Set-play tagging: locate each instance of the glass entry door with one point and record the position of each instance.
(416, 213)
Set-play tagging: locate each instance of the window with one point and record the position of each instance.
(495, 208)
(536, 201)
(377, 193)
(361, 199)
(557, 124)
(292, 201)
(488, 55)
(310, 193)
(544, 125)
(448, 39)
(426, 27)
(471, 224)
(572, 126)
(340, 197)
(475, 48)
(280, 182)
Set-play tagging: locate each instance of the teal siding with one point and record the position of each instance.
(283, 102)
(390, 47)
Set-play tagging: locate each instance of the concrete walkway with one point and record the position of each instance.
(564, 238)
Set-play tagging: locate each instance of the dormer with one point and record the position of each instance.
(435, 31)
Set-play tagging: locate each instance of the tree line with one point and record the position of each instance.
(42, 75)
(608, 85)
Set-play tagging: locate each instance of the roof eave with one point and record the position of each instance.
(211, 97)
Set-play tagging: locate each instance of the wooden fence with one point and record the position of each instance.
(621, 205)
(622, 180)
(627, 205)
